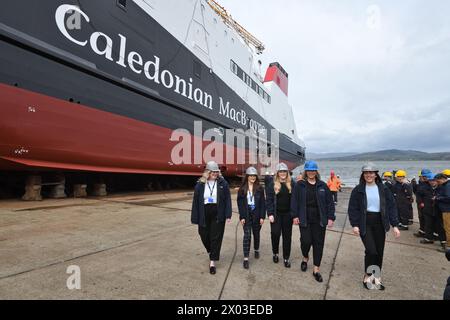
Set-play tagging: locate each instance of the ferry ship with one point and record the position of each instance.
(100, 86)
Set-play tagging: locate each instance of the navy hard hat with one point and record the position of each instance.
(311, 166)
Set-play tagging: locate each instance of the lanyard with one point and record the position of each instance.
(251, 196)
(209, 187)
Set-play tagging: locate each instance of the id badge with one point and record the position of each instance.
(252, 207)
(210, 200)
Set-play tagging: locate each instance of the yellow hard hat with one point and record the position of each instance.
(400, 173)
(446, 172)
(387, 174)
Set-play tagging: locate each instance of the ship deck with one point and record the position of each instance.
(142, 246)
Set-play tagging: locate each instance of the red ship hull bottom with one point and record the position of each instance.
(38, 132)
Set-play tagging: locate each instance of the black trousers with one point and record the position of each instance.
(212, 233)
(374, 241)
(282, 226)
(251, 225)
(334, 194)
(434, 224)
(405, 214)
(421, 219)
(313, 235)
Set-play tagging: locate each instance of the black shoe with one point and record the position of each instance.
(304, 266)
(426, 241)
(410, 222)
(246, 265)
(256, 254)
(275, 259)
(403, 227)
(212, 270)
(366, 281)
(365, 285)
(287, 263)
(318, 277)
(419, 234)
(379, 286)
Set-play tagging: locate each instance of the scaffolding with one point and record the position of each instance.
(247, 36)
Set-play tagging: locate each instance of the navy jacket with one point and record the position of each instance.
(224, 210)
(271, 198)
(403, 194)
(260, 205)
(324, 201)
(425, 194)
(357, 208)
(443, 197)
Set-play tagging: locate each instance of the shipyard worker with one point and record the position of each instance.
(420, 189)
(426, 193)
(388, 181)
(312, 209)
(334, 184)
(443, 201)
(211, 207)
(252, 211)
(278, 205)
(447, 173)
(404, 198)
(371, 212)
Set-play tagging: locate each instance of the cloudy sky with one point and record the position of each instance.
(363, 75)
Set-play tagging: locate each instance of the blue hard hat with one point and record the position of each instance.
(311, 166)
(429, 175)
(426, 172)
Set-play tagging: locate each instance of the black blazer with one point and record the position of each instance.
(324, 199)
(271, 198)
(260, 205)
(357, 208)
(224, 210)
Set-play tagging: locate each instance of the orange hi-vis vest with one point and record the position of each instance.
(334, 184)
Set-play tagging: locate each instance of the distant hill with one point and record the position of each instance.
(317, 156)
(392, 155)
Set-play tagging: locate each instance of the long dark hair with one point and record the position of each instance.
(378, 179)
(244, 186)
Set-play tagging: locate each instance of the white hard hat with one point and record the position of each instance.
(251, 171)
(370, 166)
(212, 166)
(282, 167)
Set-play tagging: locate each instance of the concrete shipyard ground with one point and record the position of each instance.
(143, 246)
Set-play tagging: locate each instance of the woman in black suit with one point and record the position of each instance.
(251, 205)
(372, 210)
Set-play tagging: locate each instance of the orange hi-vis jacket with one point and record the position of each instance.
(334, 184)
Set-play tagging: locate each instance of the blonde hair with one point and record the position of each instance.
(206, 175)
(277, 183)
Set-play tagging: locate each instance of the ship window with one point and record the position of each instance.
(197, 69)
(249, 81)
(122, 3)
(234, 67)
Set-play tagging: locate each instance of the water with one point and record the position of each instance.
(350, 171)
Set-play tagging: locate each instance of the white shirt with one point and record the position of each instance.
(250, 198)
(210, 192)
(373, 198)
